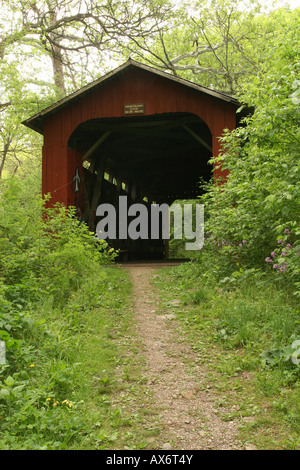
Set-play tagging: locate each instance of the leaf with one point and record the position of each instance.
(271, 356)
(9, 381)
(19, 387)
(4, 335)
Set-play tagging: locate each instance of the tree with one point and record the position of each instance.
(217, 43)
(51, 47)
(77, 32)
(260, 201)
(57, 46)
(18, 145)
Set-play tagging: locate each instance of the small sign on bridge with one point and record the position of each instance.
(134, 108)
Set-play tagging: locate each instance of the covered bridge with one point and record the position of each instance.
(136, 131)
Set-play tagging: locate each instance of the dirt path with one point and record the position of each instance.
(187, 412)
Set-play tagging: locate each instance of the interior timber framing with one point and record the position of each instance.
(158, 153)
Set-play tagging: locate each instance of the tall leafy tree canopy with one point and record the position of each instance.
(49, 48)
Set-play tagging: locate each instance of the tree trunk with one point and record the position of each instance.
(56, 54)
(3, 156)
(58, 70)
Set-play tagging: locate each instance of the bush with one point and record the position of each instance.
(259, 203)
(46, 257)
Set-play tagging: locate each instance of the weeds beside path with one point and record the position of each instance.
(177, 383)
(176, 365)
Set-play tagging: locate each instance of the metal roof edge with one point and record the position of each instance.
(32, 122)
(183, 81)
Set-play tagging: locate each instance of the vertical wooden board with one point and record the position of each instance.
(147, 95)
(136, 88)
(230, 116)
(209, 112)
(52, 130)
(76, 117)
(167, 96)
(123, 98)
(57, 129)
(44, 170)
(181, 98)
(205, 110)
(95, 106)
(171, 97)
(47, 133)
(123, 94)
(218, 117)
(200, 103)
(87, 107)
(151, 96)
(192, 102)
(67, 128)
(55, 172)
(49, 151)
(222, 118)
(47, 178)
(95, 109)
(114, 99)
(159, 97)
(48, 170)
(127, 90)
(74, 160)
(59, 182)
(119, 106)
(107, 99)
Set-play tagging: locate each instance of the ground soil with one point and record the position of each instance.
(187, 409)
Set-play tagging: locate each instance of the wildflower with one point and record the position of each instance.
(275, 266)
(268, 260)
(287, 231)
(273, 254)
(279, 241)
(48, 399)
(244, 241)
(31, 365)
(67, 403)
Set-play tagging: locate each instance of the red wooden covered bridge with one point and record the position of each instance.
(136, 131)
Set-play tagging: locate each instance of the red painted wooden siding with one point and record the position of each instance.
(160, 95)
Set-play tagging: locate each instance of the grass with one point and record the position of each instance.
(119, 411)
(80, 384)
(229, 329)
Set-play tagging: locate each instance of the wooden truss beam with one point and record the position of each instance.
(197, 137)
(96, 145)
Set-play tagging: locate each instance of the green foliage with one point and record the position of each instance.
(246, 335)
(46, 258)
(256, 212)
(44, 251)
